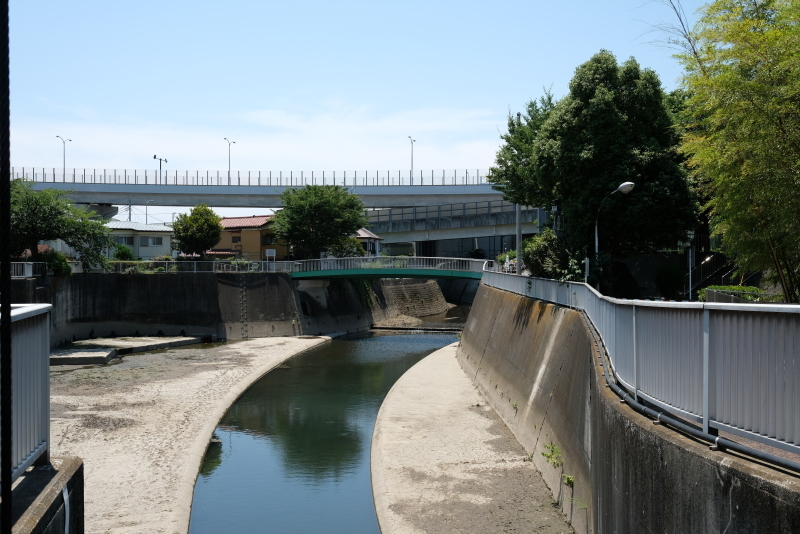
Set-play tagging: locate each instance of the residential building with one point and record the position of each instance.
(145, 240)
(250, 238)
(370, 242)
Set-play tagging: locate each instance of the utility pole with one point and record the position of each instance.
(412, 159)
(229, 158)
(64, 156)
(160, 161)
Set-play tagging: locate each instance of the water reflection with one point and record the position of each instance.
(300, 435)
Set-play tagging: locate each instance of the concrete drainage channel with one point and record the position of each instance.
(101, 351)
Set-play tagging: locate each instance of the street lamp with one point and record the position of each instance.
(229, 158)
(64, 143)
(145, 210)
(624, 188)
(160, 161)
(412, 159)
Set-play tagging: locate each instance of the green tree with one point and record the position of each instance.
(198, 231)
(123, 253)
(514, 172)
(48, 215)
(742, 62)
(348, 247)
(315, 218)
(612, 127)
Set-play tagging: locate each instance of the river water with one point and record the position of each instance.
(292, 454)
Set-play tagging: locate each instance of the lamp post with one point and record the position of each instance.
(412, 159)
(64, 155)
(518, 214)
(145, 210)
(160, 161)
(229, 158)
(624, 188)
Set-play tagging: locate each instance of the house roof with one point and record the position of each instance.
(254, 221)
(138, 227)
(363, 233)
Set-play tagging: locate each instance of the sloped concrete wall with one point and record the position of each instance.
(537, 365)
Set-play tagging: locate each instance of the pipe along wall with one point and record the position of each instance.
(538, 365)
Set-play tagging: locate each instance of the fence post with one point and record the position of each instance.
(706, 368)
(635, 360)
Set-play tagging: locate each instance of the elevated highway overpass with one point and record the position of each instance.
(377, 189)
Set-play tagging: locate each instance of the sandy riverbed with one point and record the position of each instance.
(142, 425)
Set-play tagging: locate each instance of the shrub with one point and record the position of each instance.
(501, 258)
(701, 295)
(57, 262)
(123, 253)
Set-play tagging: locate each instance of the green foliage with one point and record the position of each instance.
(57, 263)
(48, 215)
(347, 247)
(747, 292)
(133, 269)
(197, 232)
(511, 255)
(669, 280)
(742, 64)
(613, 126)
(553, 455)
(540, 254)
(568, 480)
(363, 288)
(315, 218)
(123, 253)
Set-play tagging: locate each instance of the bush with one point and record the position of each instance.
(501, 258)
(123, 253)
(701, 295)
(133, 269)
(57, 263)
(540, 254)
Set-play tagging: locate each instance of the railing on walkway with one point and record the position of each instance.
(28, 269)
(731, 367)
(241, 266)
(447, 210)
(366, 178)
(30, 377)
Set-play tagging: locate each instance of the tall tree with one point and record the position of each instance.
(742, 63)
(316, 218)
(198, 231)
(614, 127)
(48, 215)
(514, 172)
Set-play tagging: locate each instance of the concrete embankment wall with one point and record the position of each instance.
(538, 366)
(225, 305)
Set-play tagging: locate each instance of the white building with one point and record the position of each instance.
(145, 240)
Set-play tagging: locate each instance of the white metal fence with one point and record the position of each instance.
(252, 178)
(30, 377)
(28, 269)
(732, 367)
(328, 264)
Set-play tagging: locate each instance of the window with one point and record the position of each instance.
(269, 239)
(126, 240)
(147, 241)
(236, 239)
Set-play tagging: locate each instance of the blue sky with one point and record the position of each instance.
(302, 85)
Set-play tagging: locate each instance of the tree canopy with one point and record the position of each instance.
(198, 231)
(612, 127)
(742, 62)
(315, 218)
(48, 215)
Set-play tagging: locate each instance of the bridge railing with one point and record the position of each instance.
(389, 262)
(30, 378)
(731, 367)
(444, 210)
(176, 177)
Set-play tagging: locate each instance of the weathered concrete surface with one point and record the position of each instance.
(99, 351)
(38, 504)
(442, 461)
(142, 426)
(538, 367)
(82, 356)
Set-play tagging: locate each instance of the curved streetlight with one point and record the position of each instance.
(624, 188)
(412, 159)
(160, 161)
(145, 210)
(229, 158)
(64, 155)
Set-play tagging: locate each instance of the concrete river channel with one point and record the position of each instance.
(292, 454)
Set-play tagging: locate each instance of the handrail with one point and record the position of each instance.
(723, 366)
(184, 177)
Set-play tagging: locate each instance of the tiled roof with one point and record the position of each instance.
(138, 227)
(255, 221)
(363, 233)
